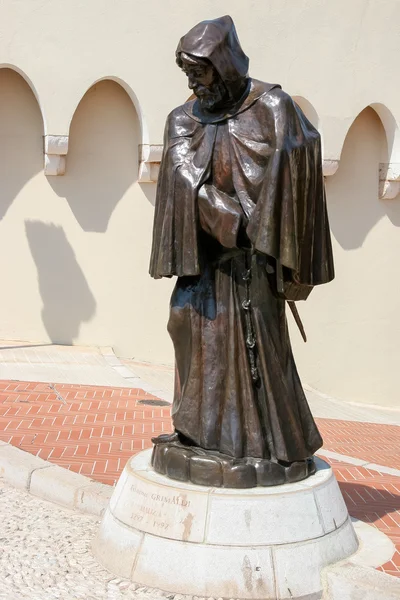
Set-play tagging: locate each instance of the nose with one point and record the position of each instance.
(191, 82)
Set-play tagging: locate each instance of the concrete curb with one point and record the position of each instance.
(346, 581)
(356, 578)
(358, 462)
(51, 482)
(375, 548)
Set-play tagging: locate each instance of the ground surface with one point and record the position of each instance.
(45, 554)
(94, 429)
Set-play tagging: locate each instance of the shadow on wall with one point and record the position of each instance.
(353, 192)
(21, 134)
(67, 298)
(102, 159)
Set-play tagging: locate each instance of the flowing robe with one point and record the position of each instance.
(241, 195)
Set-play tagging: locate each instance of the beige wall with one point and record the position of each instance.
(353, 323)
(75, 248)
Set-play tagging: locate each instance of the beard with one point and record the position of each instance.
(211, 97)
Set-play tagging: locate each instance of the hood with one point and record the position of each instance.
(217, 41)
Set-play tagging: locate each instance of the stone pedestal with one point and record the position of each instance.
(264, 543)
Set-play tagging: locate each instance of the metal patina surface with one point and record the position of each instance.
(241, 221)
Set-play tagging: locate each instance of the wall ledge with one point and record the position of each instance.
(55, 151)
(150, 157)
(389, 180)
(329, 167)
(149, 162)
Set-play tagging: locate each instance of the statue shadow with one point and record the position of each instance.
(67, 299)
(367, 503)
(102, 160)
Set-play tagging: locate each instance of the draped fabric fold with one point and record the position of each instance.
(290, 221)
(282, 194)
(187, 155)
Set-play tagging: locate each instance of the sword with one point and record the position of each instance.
(293, 308)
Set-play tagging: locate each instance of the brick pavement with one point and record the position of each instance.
(94, 430)
(378, 444)
(373, 498)
(88, 429)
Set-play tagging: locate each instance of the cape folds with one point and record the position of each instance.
(282, 194)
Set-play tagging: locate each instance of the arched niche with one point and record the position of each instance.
(102, 161)
(30, 83)
(389, 170)
(21, 135)
(389, 151)
(352, 194)
(144, 131)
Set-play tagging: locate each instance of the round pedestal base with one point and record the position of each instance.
(264, 543)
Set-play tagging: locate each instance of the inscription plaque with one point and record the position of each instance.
(163, 511)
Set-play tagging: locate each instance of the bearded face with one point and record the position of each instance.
(205, 82)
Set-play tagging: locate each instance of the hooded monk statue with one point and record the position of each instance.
(241, 221)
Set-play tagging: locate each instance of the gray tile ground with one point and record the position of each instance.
(58, 364)
(45, 554)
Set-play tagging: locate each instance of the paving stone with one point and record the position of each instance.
(349, 582)
(45, 554)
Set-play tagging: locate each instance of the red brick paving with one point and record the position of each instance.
(373, 498)
(378, 444)
(94, 430)
(90, 430)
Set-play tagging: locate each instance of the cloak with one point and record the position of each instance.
(277, 171)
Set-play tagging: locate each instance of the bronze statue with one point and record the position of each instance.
(241, 220)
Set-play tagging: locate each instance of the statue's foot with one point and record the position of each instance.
(166, 438)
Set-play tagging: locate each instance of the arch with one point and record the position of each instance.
(31, 85)
(144, 132)
(102, 156)
(391, 129)
(21, 136)
(354, 210)
(390, 154)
